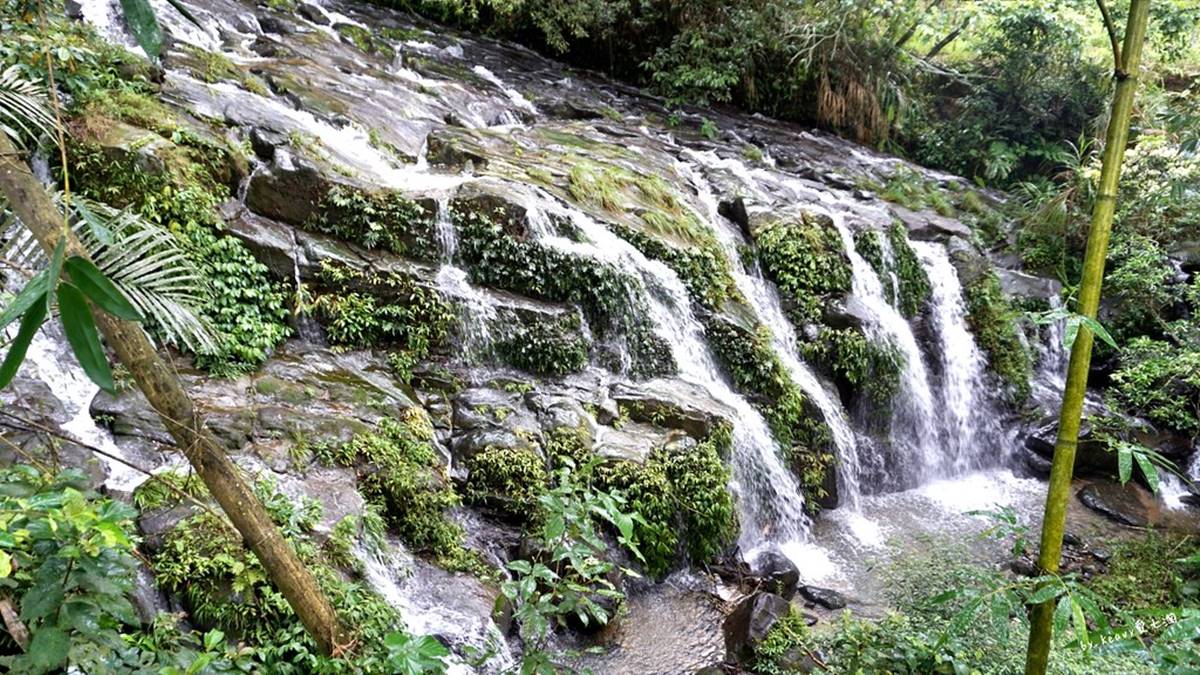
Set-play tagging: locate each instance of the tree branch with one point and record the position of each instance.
(950, 37)
(1118, 65)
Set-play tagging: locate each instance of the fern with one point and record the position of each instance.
(145, 261)
(23, 108)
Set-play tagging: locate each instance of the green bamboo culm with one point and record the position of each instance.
(1127, 64)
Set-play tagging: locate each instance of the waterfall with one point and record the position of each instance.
(771, 506)
(914, 432)
(765, 300)
(477, 309)
(968, 432)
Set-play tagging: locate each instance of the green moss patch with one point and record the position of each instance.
(381, 219)
(994, 323)
(805, 258)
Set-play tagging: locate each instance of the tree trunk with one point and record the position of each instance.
(166, 394)
(1062, 467)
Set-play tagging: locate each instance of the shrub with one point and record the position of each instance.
(1160, 381)
(507, 479)
(547, 348)
(377, 220)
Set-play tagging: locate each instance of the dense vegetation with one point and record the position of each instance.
(1008, 94)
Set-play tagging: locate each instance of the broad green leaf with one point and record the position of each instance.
(99, 289)
(1099, 329)
(1071, 332)
(35, 314)
(5, 565)
(1045, 593)
(1124, 462)
(1148, 470)
(31, 293)
(142, 22)
(81, 333)
(49, 648)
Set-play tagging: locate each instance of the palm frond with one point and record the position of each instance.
(145, 261)
(24, 110)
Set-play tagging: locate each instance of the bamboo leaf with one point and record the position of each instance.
(30, 322)
(82, 335)
(142, 22)
(1148, 470)
(33, 291)
(179, 6)
(1079, 623)
(1124, 462)
(99, 289)
(1099, 329)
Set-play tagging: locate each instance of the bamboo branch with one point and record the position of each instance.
(1118, 64)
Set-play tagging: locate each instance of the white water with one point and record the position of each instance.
(913, 430)
(967, 429)
(513, 95)
(477, 309)
(770, 502)
(386, 573)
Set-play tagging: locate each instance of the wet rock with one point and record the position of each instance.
(671, 404)
(824, 597)
(1092, 457)
(1127, 504)
(734, 210)
(454, 151)
(264, 141)
(1021, 285)
(270, 24)
(1192, 500)
(776, 573)
(288, 190)
(272, 243)
(750, 622)
(1024, 566)
(154, 525)
(312, 13)
(632, 442)
(1101, 554)
(930, 226)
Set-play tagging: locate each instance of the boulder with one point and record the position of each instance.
(776, 573)
(1128, 504)
(930, 226)
(632, 442)
(1021, 285)
(288, 190)
(734, 210)
(748, 625)
(671, 404)
(824, 597)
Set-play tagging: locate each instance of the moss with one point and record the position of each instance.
(377, 220)
(398, 472)
(806, 260)
(508, 480)
(365, 41)
(994, 323)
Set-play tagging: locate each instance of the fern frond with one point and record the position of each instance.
(145, 261)
(24, 110)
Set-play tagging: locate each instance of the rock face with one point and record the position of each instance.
(1126, 504)
(776, 573)
(750, 622)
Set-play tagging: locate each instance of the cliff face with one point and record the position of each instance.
(512, 258)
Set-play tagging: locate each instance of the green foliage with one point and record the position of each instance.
(1140, 287)
(507, 479)
(547, 348)
(703, 269)
(245, 308)
(1161, 382)
(682, 495)
(66, 561)
(993, 321)
(384, 309)
(805, 259)
(399, 473)
(168, 488)
(377, 220)
(570, 579)
(914, 282)
(855, 359)
(497, 251)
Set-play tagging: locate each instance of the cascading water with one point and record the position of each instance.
(967, 432)
(763, 297)
(477, 310)
(770, 502)
(914, 432)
